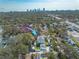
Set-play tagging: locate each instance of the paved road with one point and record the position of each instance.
(72, 24)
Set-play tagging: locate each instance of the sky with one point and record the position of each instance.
(22, 5)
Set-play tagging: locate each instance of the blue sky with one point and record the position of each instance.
(22, 5)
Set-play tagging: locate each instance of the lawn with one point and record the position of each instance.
(37, 48)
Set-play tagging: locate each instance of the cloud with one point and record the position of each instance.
(48, 4)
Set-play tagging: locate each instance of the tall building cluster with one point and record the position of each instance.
(36, 10)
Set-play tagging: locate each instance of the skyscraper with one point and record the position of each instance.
(43, 9)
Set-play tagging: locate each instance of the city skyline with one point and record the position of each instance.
(23, 5)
